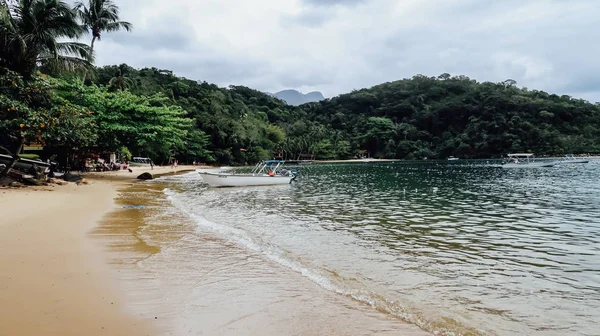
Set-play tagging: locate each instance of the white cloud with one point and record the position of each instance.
(336, 46)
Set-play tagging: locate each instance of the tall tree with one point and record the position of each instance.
(100, 16)
(30, 31)
(120, 81)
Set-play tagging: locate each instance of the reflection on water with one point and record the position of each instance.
(454, 248)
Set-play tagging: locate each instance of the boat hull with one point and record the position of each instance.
(242, 180)
(528, 165)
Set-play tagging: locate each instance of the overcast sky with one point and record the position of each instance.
(334, 46)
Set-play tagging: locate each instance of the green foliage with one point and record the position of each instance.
(124, 153)
(31, 113)
(195, 147)
(151, 112)
(148, 126)
(234, 125)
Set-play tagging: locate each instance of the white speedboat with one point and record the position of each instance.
(570, 158)
(525, 160)
(452, 158)
(264, 173)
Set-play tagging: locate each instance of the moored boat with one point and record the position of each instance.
(570, 158)
(525, 160)
(264, 173)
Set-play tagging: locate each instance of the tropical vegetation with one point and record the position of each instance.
(50, 93)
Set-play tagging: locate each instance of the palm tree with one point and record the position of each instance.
(100, 16)
(29, 34)
(120, 81)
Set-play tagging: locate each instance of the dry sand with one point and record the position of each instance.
(53, 277)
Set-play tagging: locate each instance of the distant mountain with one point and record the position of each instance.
(293, 97)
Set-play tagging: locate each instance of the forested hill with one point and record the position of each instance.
(443, 116)
(236, 125)
(406, 119)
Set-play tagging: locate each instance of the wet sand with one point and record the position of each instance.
(54, 279)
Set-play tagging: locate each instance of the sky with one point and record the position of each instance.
(335, 46)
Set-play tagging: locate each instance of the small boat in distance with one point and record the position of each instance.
(138, 161)
(570, 158)
(525, 160)
(264, 173)
(452, 158)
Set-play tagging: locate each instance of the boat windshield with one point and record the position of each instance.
(519, 157)
(265, 167)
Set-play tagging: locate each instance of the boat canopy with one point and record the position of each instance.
(139, 159)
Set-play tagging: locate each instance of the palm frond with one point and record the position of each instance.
(64, 63)
(116, 26)
(76, 49)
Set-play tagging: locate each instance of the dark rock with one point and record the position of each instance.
(70, 177)
(15, 184)
(34, 182)
(145, 176)
(6, 181)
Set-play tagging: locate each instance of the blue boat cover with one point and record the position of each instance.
(273, 162)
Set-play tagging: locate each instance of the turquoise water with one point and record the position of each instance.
(457, 248)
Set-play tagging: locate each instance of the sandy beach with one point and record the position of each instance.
(73, 262)
(54, 279)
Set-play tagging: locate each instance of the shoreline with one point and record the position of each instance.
(69, 259)
(55, 279)
(126, 176)
(198, 281)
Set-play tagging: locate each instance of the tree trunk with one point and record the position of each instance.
(91, 53)
(15, 157)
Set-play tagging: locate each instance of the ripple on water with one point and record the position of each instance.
(443, 245)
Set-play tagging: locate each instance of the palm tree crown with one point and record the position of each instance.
(100, 16)
(120, 81)
(29, 35)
